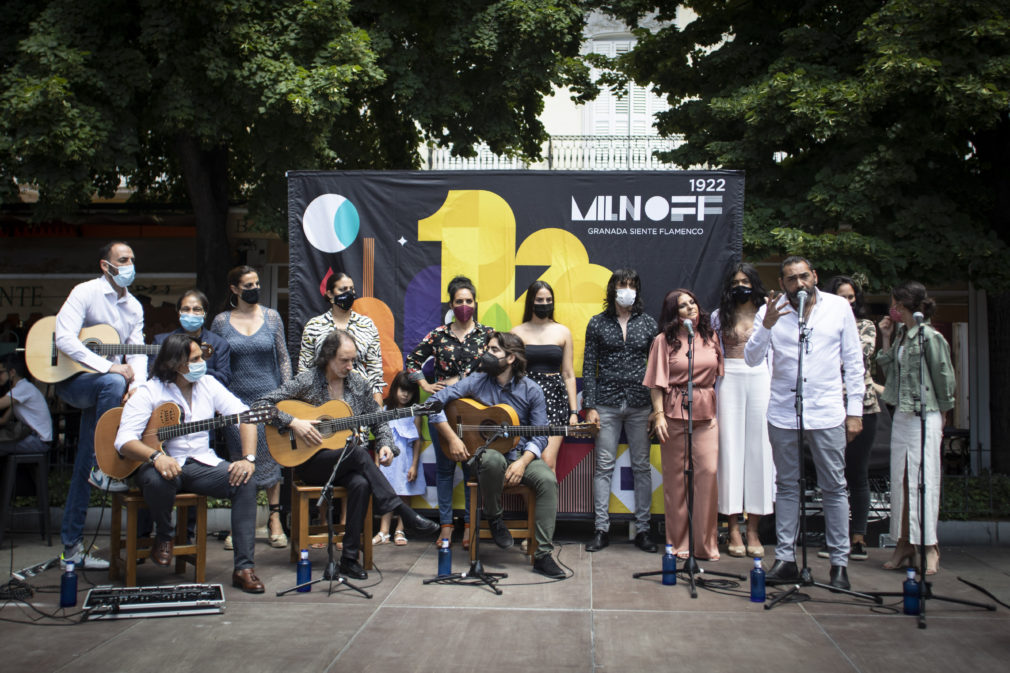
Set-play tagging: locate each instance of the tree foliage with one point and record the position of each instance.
(875, 134)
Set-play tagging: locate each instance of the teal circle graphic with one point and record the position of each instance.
(331, 223)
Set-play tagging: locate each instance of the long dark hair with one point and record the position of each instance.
(728, 306)
(174, 352)
(836, 282)
(670, 323)
(912, 295)
(402, 382)
(531, 295)
(234, 276)
(462, 283)
(619, 276)
(331, 344)
(513, 345)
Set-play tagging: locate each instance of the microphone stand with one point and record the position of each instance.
(332, 571)
(476, 575)
(690, 564)
(806, 579)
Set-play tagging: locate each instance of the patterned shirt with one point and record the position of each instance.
(368, 362)
(452, 356)
(613, 367)
(868, 340)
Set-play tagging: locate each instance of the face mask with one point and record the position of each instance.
(345, 300)
(490, 364)
(462, 312)
(196, 370)
(124, 275)
(190, 322)
(742, 294)
(543, 310)
(626, 297)
(251, 296)
(893, 313)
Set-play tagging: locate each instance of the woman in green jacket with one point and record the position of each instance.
(899, 360)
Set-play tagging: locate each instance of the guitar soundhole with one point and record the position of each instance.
(92, 344)
(324, 425)
(166, 418)
(492, 428)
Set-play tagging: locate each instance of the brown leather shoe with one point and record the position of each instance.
(161, 552)
(247, 581)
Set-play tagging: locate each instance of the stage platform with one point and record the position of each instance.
(599, 620)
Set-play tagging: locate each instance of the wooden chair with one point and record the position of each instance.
(194, 553)
(521, 529)
(305, 533)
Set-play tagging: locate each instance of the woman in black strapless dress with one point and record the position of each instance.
(549, 361)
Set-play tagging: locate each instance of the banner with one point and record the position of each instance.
(402, 235)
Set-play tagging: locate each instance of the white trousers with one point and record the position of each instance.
(746, 470)
(905, 429)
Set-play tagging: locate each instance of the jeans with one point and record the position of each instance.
(635, 421)
(445, 472)
(93, 394)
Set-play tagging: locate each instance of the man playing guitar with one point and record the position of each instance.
(97, 301)
(502, 380)
(190, 464)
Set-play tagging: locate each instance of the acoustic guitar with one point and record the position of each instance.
(336, 423)
(475, 423)
(163, 426)
(49, 364)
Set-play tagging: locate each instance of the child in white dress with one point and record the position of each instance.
(404, 473)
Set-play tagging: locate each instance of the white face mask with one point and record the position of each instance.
(625, 297)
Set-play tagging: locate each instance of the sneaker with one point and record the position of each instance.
(545, 565)
(824, 552)
(81, 560)
(858, 552)
(104, 482)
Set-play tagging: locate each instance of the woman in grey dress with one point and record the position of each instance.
(259, 364)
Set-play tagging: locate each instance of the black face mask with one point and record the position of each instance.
(345, 300)
(543, 310)
(491, 365)
(742, 294)
(251, 296)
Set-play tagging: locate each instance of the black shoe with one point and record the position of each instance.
(500, 532)
(352, 569)
(645, 543)
(858, 552)
(839, 577)
(783, 571)
(421, 525)
(601, 539)
(545, 565)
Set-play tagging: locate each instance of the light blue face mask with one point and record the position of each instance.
(124, 274)
(196, 370)
(191, 322)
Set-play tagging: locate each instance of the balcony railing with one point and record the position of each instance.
(568, 153)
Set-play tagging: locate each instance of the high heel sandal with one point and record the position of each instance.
(446, 532)
(932, 559)
(277, 540)
(466, 536)
(901, 558)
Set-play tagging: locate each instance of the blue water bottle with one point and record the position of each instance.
(444, 557)
(304, 572)
(68, 587)
(757, 583)
(910, 591)
(669, 566)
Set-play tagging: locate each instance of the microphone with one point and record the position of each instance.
(802, 297)
(918, 317)
(689, 326)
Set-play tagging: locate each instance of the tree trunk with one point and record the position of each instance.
(206, 175)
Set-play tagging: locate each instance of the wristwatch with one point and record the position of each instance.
(154, 457)
(251, 457)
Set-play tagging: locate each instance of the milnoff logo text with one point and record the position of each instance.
(607, 208)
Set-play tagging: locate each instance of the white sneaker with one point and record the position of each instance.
(104, 482)
(82, 560)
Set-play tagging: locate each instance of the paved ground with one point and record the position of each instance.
(599, 620)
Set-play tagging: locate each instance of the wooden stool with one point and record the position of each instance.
(521, 529)
(195, 553)
(305, 533)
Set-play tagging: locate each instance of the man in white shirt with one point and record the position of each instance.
(190, 464)
(25, 423)
(103, 300)
(832, 357)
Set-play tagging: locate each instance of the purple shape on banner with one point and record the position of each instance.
(422, 306)
(627, 479)
(430, 473)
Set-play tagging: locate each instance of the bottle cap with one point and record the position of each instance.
(70, 566)
(305, 554)
(669, 549)
(444, 543)
(910, 572)
(757, 561)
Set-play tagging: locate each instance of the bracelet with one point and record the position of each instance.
(573, 412)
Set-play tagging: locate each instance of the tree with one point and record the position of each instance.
(214, 101)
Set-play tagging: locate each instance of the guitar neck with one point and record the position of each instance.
(123, 349)
(172, 431)
(524, 430)
(352, 422)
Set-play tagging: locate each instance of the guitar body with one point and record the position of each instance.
(288, 450)
(109, 460)
(49, 364)
(468, 412)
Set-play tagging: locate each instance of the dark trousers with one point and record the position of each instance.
(360, 476)
(857, 466)
(159, 493)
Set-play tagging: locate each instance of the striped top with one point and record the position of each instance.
(368, 363)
